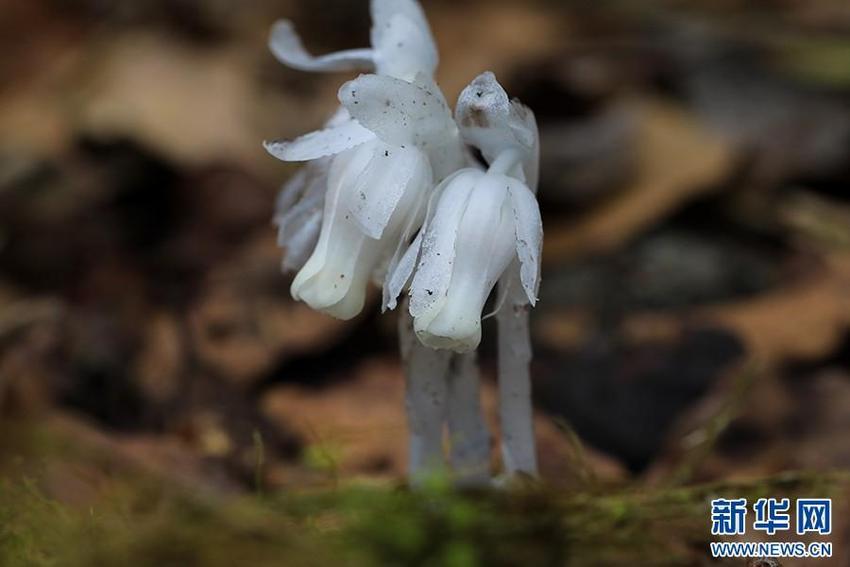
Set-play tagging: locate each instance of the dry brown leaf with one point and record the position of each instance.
(678, 160)
(804, 320)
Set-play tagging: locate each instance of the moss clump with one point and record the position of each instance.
(131, 519)
(373, 526)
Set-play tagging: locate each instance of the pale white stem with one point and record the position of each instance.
(468, 437)
(506, 161)
(425, 399)
(515, 409)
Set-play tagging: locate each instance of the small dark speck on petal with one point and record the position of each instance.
(478, 94)
(386, 153)
(430, 292)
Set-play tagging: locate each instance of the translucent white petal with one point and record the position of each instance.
(301, 243)
(405, 49)
(291, 192)
(288, 49)
(338, 118)
(483, 249)
(398, 274)
(341, 172)
(304, 192)
(529, 236)
(400, 113)
(384, 10)
(376, 194)
(298, 212)
(403, 263)
(320, 143)
(437, 257)
(290, 222)
(334, 278)
(403, 260)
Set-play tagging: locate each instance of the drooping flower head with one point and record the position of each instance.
(377, 159)
(402, 45)
(398, 137)
(482, 224)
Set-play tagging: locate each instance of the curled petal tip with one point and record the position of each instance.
(287, 47)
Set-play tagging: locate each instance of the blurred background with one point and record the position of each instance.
(695, 306)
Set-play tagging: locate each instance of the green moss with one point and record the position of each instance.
(135, 520)
(372, 526)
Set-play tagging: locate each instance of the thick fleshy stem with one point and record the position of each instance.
(469, 439)
(515, 410)
(425, 399)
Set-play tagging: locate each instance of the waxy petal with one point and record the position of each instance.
(384, 10)
(399, 272)
(339, 175)
(402, 265)
(379, 188)
(400, 113)
(484, 247)
(301, 242)
(288, 49)
(321, 143)
(437, 256)
(405, 49)
(299, 212)
(529, 236)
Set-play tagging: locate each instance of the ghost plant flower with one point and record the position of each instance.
(483, 226)
(376, 158)
(402, 47)
(400, 135)
(482, 221)
(506, 133)
(393, 163)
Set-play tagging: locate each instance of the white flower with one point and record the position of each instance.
(335, 278)
(396, 137)
(482, 223)
(402, 44)
(402, 47)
